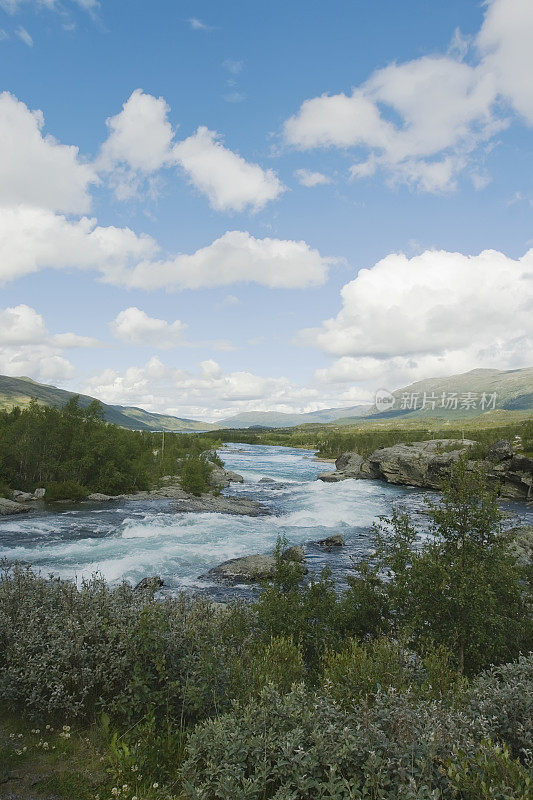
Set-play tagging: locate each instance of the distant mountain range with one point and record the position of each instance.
(19, 392)
(455, 397)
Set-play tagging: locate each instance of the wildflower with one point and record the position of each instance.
(134, 768)
(66, 728)
(24, 749)
(125, 787)
(115, 791)
(155, 786)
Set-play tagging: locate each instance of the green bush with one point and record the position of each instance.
(195, 474)
(65, 490)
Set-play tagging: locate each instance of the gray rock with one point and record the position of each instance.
(332, 541)
(99, 497)
(22, 497)
(423, 464)
(221, 505)
(523, 543)
(348, 466)
(266, 480)
(39, 493)
(501, 450)
(8, 507)
(250, 569)
(295, 553)
(221, 478)
(149, 584)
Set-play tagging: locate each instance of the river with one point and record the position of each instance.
(131, 539)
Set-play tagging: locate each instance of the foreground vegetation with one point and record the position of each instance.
(72, 451)
(414, 683)
(332, 440)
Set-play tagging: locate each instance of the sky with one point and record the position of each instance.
(214, 207)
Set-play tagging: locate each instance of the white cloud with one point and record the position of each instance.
(134, 326)
(36, 169)
(197, 24)
(308, 178)
(445, 107)
(13, 6)
(234, 258)
(32, 239)
(24, 36)
(209, 393)
(140, 141)
(230, 182)
(230, 301)
(434, 313)
(232, 66)
(27, 348)
(504, 42)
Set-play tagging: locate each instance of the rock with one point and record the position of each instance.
(295, 553)
(221, 505)
(523, 544)
(250, 569)
(99, 497)
(8, 507)
(22, 497)
(266, 480)
(221, 478)
(39, 493)
(332, 541)
(501, 450)
(150, 584)
(348, 466)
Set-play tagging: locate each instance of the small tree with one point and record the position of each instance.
(195, 474)
(462, 589)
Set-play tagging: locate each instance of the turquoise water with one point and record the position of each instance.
(132, 539)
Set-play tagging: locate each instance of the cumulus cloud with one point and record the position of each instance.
(35, 169)
(209, 393)
(229, 182)
(141, 142)
(308, 178)
(134, 326)
(436, 313)
(27, 348)
(446, 107)
(33, 239)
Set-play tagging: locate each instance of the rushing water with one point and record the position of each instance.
(132, 539)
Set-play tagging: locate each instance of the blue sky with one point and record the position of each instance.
(189, 192)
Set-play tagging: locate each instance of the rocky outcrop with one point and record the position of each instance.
(332, 541)
(9, 507)
(99, 497)
(426, 464)
(149, 584)
(221, 478)
(253, 569)
(220, 505)
(348, 466)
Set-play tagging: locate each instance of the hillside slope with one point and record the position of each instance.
(19, 392)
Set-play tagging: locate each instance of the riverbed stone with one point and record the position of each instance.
(9, 507)
(336, 540)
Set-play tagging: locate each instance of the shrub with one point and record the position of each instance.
(195, 474)
(303, 745)
(65, 490)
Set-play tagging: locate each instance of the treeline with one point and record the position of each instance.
(414, 683)
(330, 442)
(69, 447)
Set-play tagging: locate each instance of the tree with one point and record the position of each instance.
(462, 588)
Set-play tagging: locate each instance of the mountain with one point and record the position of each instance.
(457, 396)
(19, 392)
(278, 419)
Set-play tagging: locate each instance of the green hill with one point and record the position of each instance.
(19, 392)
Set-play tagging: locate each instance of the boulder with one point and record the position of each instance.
(22, 497)
(220, 505)
(348, 466)
(332, 541)
(501, 450)
(266, 480)
(423, 464)
(254, 569)
(523, 544)
(149, 584)
(39, 493)
(8, 507)
(250, 569)
(221, 478)
(98, 497)
(295, 553)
